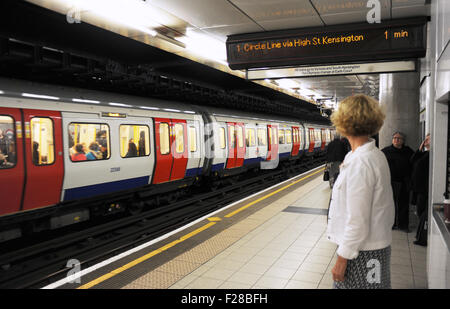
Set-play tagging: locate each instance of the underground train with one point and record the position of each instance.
(63, 148)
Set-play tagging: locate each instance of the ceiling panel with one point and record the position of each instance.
(204, 14)
(304, 22)
(223, 31)
(274, 15)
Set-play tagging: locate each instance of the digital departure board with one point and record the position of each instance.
(389, 40)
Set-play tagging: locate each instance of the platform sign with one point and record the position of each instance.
(333, 70)
(388, 41)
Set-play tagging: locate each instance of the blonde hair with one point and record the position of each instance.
(358, 115)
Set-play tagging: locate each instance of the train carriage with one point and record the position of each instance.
(70, 147)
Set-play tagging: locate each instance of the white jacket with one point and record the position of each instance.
(362, 207)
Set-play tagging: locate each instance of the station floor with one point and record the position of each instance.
(281, 244)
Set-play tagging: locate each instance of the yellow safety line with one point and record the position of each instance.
(144, 258)
(187, 236)
(270, 194)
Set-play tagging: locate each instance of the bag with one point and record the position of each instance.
(326, 175)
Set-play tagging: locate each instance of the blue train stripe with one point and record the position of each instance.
(252, 161)
(284, 154)
(217, 167)
(104, 188)
(193, 172)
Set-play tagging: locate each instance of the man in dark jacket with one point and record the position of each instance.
(336, 151)
(398, 156)
(419, 185)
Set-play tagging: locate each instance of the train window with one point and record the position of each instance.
(281, 136)
(164, 138)
(179, 138)
(240, 136)
(250, 137)
(7, 143)
(222, 138)
(134, 141)
(192, 139)
(262, 137)
(42, 144)
(88, 142)
(288, 137)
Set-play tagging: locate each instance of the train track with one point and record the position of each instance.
(34, 266)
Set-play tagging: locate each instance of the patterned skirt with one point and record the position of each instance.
(370, 270)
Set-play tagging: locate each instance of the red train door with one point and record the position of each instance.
(240, 144)
(272, 134)
(164, 158)
(311, 140)
(12, 168)
(295, 141)
(171, 149)
(232, 152)
(179, 149)
(324, 139)
(44, 158)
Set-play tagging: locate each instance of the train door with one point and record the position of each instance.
(171, 149)
(302, 140)
(251, 152)
(232, 151)
(44, 158)
(323, 135)
(179, 149)
(236, 146)
(311, 139)
(194, 149)
(272, 137)
(240, 144)
(295, 141)
(164, 159)
(12, 168)
(262, 141)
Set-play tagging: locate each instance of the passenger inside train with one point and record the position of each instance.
(7, 143)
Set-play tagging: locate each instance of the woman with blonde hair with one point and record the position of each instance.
(362, 207)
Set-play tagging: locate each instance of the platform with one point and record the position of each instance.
(274, 240)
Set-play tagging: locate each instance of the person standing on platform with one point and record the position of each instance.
(336, 151)
(362, 206)
(419, 185)
(398, 156)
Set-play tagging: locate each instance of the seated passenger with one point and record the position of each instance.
(12, 154)
(3, 143)
(36, 155)
(94, 153)
(132, 149)
(102, 141)
(2, 161)
(79, 154)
